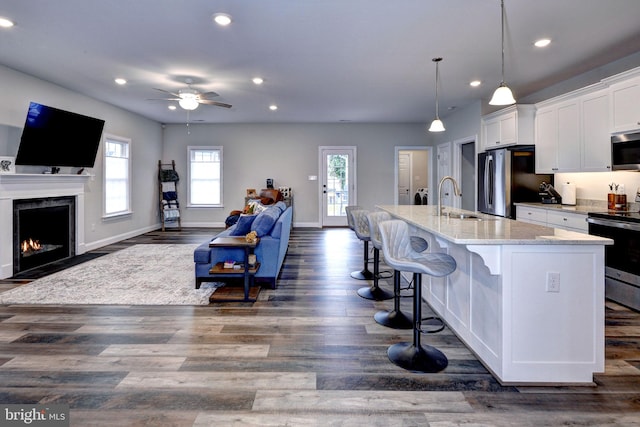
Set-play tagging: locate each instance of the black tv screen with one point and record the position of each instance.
(54, 137)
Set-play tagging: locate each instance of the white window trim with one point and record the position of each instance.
(205, 147)
(129, 210)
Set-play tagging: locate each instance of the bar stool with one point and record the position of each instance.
(395, 318)
(361, 227)
(348, 210)
(398, 254)
(374, 292)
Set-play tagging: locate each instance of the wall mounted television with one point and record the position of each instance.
(54, 137)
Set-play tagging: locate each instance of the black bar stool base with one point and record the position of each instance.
(417, 359)
(362, 275)
(393, 319)
(375, 293)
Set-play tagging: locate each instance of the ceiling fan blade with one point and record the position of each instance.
(217, 104)
(207, 95)
(163, 99)
(166, 91)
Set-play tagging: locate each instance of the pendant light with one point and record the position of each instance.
(436, 124)
(502, 95)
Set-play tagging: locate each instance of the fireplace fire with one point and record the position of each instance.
(44, 231)
(30, 247)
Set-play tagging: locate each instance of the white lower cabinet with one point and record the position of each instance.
(531, 215)
(553, 217)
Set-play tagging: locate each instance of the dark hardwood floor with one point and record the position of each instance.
(306, 353)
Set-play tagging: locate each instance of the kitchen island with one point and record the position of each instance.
(528, 300)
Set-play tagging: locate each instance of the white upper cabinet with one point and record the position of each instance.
(509, 126)
(558, 138)
(572, 133)
(625, 105)
(596, 137)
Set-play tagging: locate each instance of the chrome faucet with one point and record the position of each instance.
(456, 191)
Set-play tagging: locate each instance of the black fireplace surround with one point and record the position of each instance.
(44, 231)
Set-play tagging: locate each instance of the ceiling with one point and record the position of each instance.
(322, 60)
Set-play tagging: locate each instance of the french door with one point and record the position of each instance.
(338, 166)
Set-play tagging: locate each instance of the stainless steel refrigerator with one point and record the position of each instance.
(507, 176)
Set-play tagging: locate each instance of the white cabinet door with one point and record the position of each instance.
(546, 140)
(567, 221)
(531, 215)
(568, 142)
(509, 129)
(596, 136)
(625, 105)
(492, 134)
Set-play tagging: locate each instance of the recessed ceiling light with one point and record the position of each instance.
(6, 23)
(475, 83)
(121, 81)
(258, 80)
(542, 42)
(273, 107)
(171, 107)
(222, 19)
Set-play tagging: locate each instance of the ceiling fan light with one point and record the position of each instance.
(436, 126)
(502, 96)
(188, 103)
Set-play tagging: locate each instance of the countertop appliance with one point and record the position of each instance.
(622, 259)
(625, 151)
(507, 176)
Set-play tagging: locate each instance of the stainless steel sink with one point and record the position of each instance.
(456, 215)
(459, 216)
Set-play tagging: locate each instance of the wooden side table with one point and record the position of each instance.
(248, 273)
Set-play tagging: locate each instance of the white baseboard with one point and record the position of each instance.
(89, 246)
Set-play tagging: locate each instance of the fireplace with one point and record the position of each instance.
(43, 231)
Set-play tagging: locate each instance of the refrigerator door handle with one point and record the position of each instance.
(489, 181)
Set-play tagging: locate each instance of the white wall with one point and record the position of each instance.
(19, 89)
(288, 153)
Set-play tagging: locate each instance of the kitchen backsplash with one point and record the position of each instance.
(595, 185)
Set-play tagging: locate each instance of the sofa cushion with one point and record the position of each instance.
(281, 205)
(265, 221)
(243, 225)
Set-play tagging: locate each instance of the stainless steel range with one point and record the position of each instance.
(622, 259)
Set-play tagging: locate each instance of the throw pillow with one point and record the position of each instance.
(265, 221)
(243, 225)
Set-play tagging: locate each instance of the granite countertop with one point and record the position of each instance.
(487, 229)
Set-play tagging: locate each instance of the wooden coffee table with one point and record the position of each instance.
(247, 273)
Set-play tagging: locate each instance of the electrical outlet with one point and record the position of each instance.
(553, 281)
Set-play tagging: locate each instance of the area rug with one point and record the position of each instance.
(154, 274)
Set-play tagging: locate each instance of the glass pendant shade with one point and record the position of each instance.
(502, 96)
(436, 126)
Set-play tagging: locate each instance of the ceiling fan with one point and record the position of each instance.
(189, 98)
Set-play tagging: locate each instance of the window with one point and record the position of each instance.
(205, 176)
(117, 176)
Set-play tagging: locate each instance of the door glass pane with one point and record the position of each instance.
(337, 184)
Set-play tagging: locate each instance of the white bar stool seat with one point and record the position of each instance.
(400, 255)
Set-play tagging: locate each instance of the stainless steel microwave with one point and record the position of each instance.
(625, 152)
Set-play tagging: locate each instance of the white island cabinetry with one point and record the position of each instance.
(499, 300)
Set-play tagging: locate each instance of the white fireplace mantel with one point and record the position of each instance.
(31, 186)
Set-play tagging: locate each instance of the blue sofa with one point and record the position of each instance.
(270, 251)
